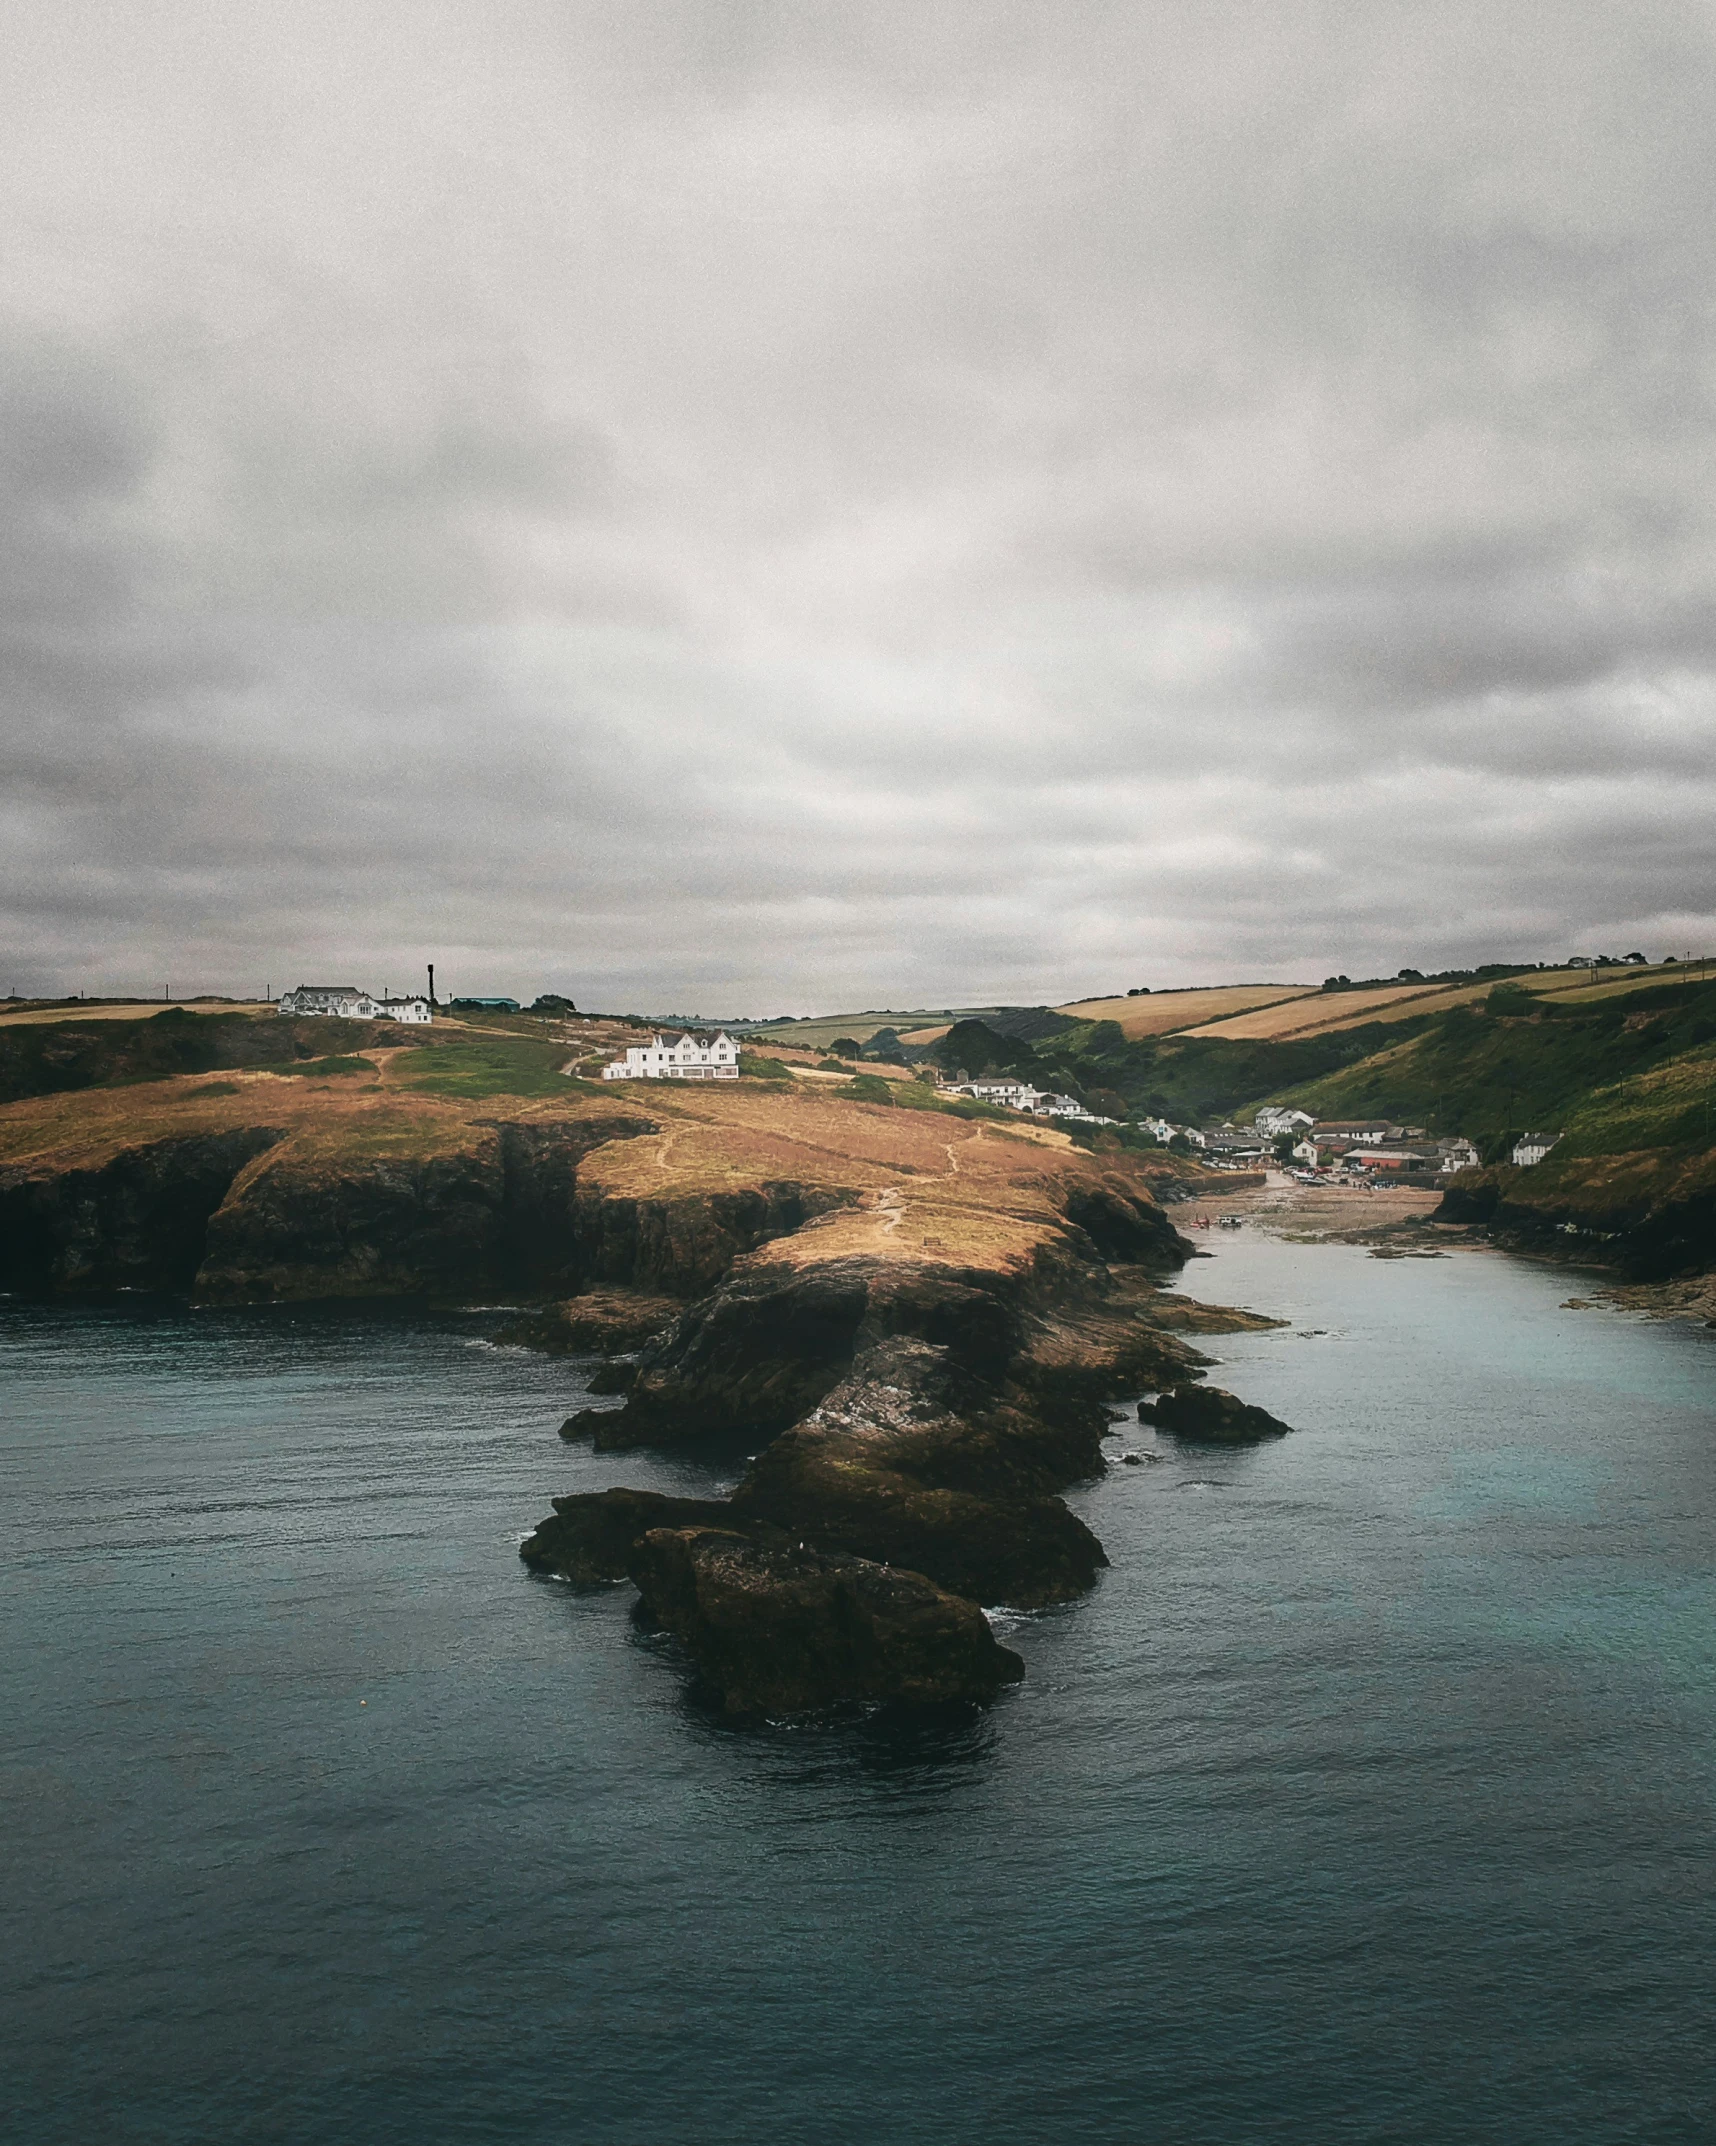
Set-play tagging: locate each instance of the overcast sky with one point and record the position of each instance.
(749, 508)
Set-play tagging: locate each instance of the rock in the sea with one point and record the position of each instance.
(776, 1628)
(1205, 1415)
(590, 1537)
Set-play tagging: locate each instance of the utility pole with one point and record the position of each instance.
(431, 987)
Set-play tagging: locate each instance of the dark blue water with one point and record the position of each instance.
(1369, 1799)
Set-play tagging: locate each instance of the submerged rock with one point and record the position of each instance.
(777, 1628)
(1205, 1415)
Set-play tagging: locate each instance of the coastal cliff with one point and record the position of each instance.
(911, 1319)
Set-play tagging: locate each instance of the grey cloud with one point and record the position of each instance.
(779, 506)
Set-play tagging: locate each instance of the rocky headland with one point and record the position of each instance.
(913, 1321)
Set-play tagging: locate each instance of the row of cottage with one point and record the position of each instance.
(1368, 1144)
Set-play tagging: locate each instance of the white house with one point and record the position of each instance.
(346, 1002)
(1532, 1147)
(678, 1058)
(1368, 1132)
(1458, 1155)
(1273, 1120)
(1063, 1106)
(1009, 1094)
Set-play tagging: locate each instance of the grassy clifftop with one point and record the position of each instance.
(479, 1160)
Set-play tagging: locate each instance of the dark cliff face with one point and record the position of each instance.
(505, 1211)
(1651, 1221)
(497, 1214)
(684, 1246)
(139, 1221)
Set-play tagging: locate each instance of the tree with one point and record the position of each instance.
(844, 1047)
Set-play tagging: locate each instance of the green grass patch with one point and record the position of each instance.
(756, 1067)
(478, 1066)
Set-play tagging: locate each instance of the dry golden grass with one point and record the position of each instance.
(1323, 1012)
(1166, 1013)
(918, 1185)
(134, 1010)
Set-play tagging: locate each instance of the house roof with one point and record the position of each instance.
(331, 991)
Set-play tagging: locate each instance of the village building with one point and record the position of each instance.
(1273, 1120)
(1233, 1150)
(1007, 1094)
(1067, 1108)
(1398, 1160)
(345, 1002)
(1348, 1132)
(1459, 1155)
(1531, 1148)
(678, 1058)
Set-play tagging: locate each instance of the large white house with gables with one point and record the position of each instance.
(346, 1002)
(678, 1058)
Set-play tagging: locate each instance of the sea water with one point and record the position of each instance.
(1368, 1798)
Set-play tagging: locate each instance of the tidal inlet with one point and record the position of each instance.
(857, 1182)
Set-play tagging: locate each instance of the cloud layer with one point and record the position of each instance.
(763, 507)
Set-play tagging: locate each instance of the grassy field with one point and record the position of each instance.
(1164, 1013)
(480, 1066)
(824, 1029)
(129, 1010)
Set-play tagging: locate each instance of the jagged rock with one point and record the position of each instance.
(779, 1628)
(909, 1462)
(601, 1322)
(1205, 1415)
(590, 1537)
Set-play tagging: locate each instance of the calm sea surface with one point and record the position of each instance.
(1368, 1799)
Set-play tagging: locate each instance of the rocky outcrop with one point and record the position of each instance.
(601, 1322)
(139, 1220)
(913, 1461)
(777, 1627)
(1205, 1415)
(913, 1424)
(592, 1537)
